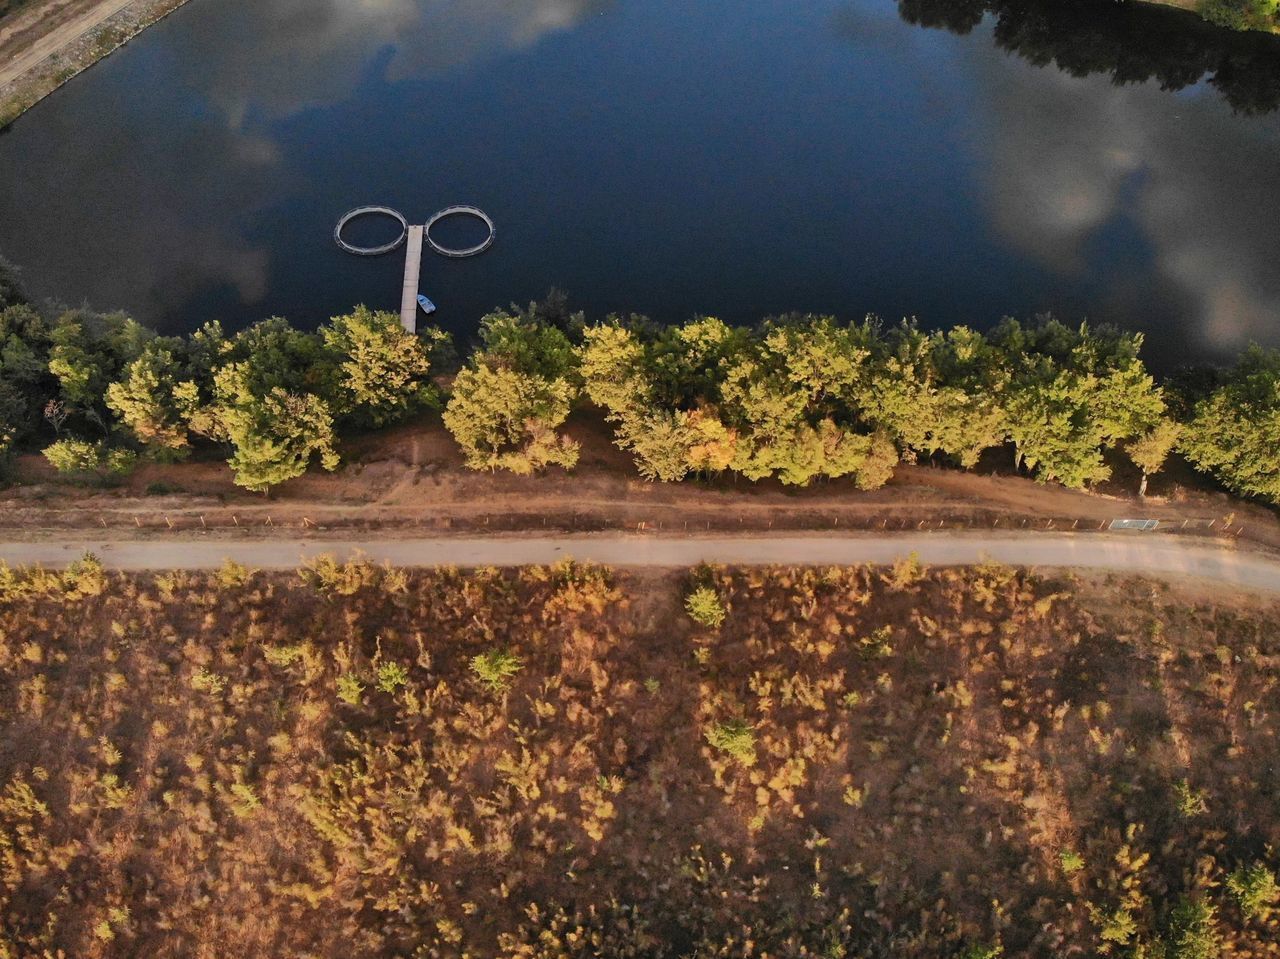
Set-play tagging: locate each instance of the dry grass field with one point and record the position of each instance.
(570, 762)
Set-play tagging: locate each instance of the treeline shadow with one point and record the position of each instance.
(1130, 42)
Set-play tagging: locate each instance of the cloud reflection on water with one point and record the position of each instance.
(977, 179)
(1064, 159)
(302, 53)
(170, 190)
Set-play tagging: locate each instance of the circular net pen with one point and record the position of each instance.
(461, 210)
(371, 211)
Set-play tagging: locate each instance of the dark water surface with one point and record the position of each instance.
(671, 158)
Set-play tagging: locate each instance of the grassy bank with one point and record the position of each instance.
(1260, 15)
(77, 56)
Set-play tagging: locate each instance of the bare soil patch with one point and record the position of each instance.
(411, 479)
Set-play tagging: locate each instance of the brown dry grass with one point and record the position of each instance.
(243, 764)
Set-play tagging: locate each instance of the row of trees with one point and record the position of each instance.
(275, 397)
(799, 398)
(1240, 14)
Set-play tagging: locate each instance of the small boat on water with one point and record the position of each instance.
(427, 305)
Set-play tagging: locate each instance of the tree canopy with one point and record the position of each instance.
(508, 402)
(1234, 432)
(382, 368)
(798, 399)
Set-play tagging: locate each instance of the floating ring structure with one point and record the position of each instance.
(461, 211)
(370, 211)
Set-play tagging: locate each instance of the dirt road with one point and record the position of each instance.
(1128, 554)
(65, 35)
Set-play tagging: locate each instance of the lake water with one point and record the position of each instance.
(672, 158)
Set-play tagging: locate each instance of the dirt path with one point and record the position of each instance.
(1129, 554)
(58, 39)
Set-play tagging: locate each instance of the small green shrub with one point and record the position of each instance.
(906, 572)
(495, 668)
(1255, 889)
(1071, 861)
(1118, 926)
(327, 575)
(735, 738)
(80, 457)
(391, 676)
(74, 456)
(704, 606)
(84, 577)
(244, 801)
(1190, 802)
(350, 689)
(119, 461)
(1193, 931)
(208, 682)
(232, 575)
(285, 655)
(983, 951)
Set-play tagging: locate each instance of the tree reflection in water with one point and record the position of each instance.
(1133, 43)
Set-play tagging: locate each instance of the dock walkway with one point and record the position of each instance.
(409, 291)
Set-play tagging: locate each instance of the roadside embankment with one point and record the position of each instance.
(46, 44)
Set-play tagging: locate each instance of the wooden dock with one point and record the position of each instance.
(409, 291)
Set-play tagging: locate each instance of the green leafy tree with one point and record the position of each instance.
(1052, 433)
(382, 368)
(273, 355)
(658, 390)
(772, 413)
(506, 419)
(1234, 433)
(1125, 401)
(25, 381)
(712, 446)
(206, 352)
(901, 395)
(275, 436)
(877, 465)
(831, 363)
(798, 397)
(686, 363)
(1072, 394)
(1239, 14)
(507, 404)
(89, 352)
(661, 442)
(615, 372)
(1150, 450)
(153, 400)
(523, 342)
(11, 290)
(968, 409)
